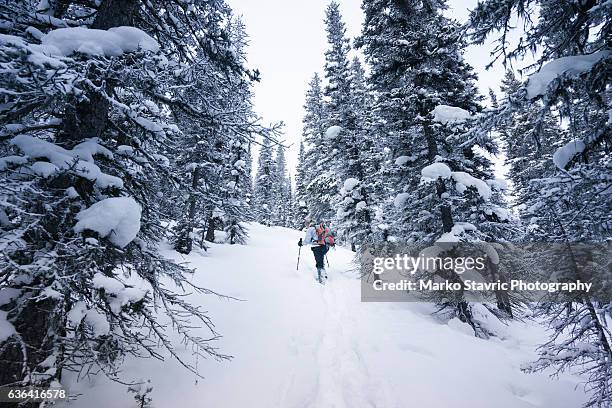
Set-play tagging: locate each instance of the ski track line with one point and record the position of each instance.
(371, 391)
(344, 380)
(339, 377)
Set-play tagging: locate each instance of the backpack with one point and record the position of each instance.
(323, 235)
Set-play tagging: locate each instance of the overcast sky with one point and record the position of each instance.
(287, 42)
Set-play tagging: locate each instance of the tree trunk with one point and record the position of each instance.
(501, 296)
(430, 138)
(87, 118)
(116, 13)
(445, 209)
(210, 230)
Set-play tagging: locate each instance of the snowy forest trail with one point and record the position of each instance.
(296, 343)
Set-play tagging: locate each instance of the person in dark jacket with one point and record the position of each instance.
(319, 249)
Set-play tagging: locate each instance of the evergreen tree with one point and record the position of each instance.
(300, 208)
(237, 186)
(344, 96)
(354, 210)
(444, 186)
(318, 180)
(528, 149)
(263, 191)
(281, 202)
(235, 205)
(95, 143)
(574, 202)
(337, 71)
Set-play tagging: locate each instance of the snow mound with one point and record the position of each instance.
(435, 170)
(79, 159)
(350, 184)
(456, 233)
(118, 295)
(400, 199)
(117, 218)
(43, 169)
(565, 154)
(501, 213)
(537, 84)
(332, 132)
(8, 160)
(400, 161)
(111, 43)
(96, 320)
(148, 124)
(71, 192)
(465, 180)
(449, 115)
(6, 328)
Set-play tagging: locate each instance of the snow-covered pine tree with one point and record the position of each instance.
(215, 156)
(529, 143)
(87, 157)
(281, 202)
(345, 132)
(425, 93)
(200, 160)
(300, 208)
(573, 42)
(263, 190)
(336, 69)
(317, 177)
(240, 129)
(235, 205)
(248, 184)
(381, 43)
(354, 209)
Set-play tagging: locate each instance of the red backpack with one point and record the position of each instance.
(323, 235)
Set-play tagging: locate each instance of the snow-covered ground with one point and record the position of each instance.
(299, 344)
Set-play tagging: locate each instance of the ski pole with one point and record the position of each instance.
(298, 262)
(327, 260)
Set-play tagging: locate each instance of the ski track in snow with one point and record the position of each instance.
(299, 344)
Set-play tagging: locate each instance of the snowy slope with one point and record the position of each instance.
(298, 344)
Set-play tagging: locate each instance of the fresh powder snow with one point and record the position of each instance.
(43, 169)
(314, 346)
(332, 132)
(112, 42)
(457, 232)
(400, 199)
(6, 328)
(464, 180)
(120, 295)
(5, 162)
(94, 319)
(450, 115)
(79, 159)
(565, 154)
(402, 160)
(572, 65)
(117, 218)
(350, 184)
(434, 171)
